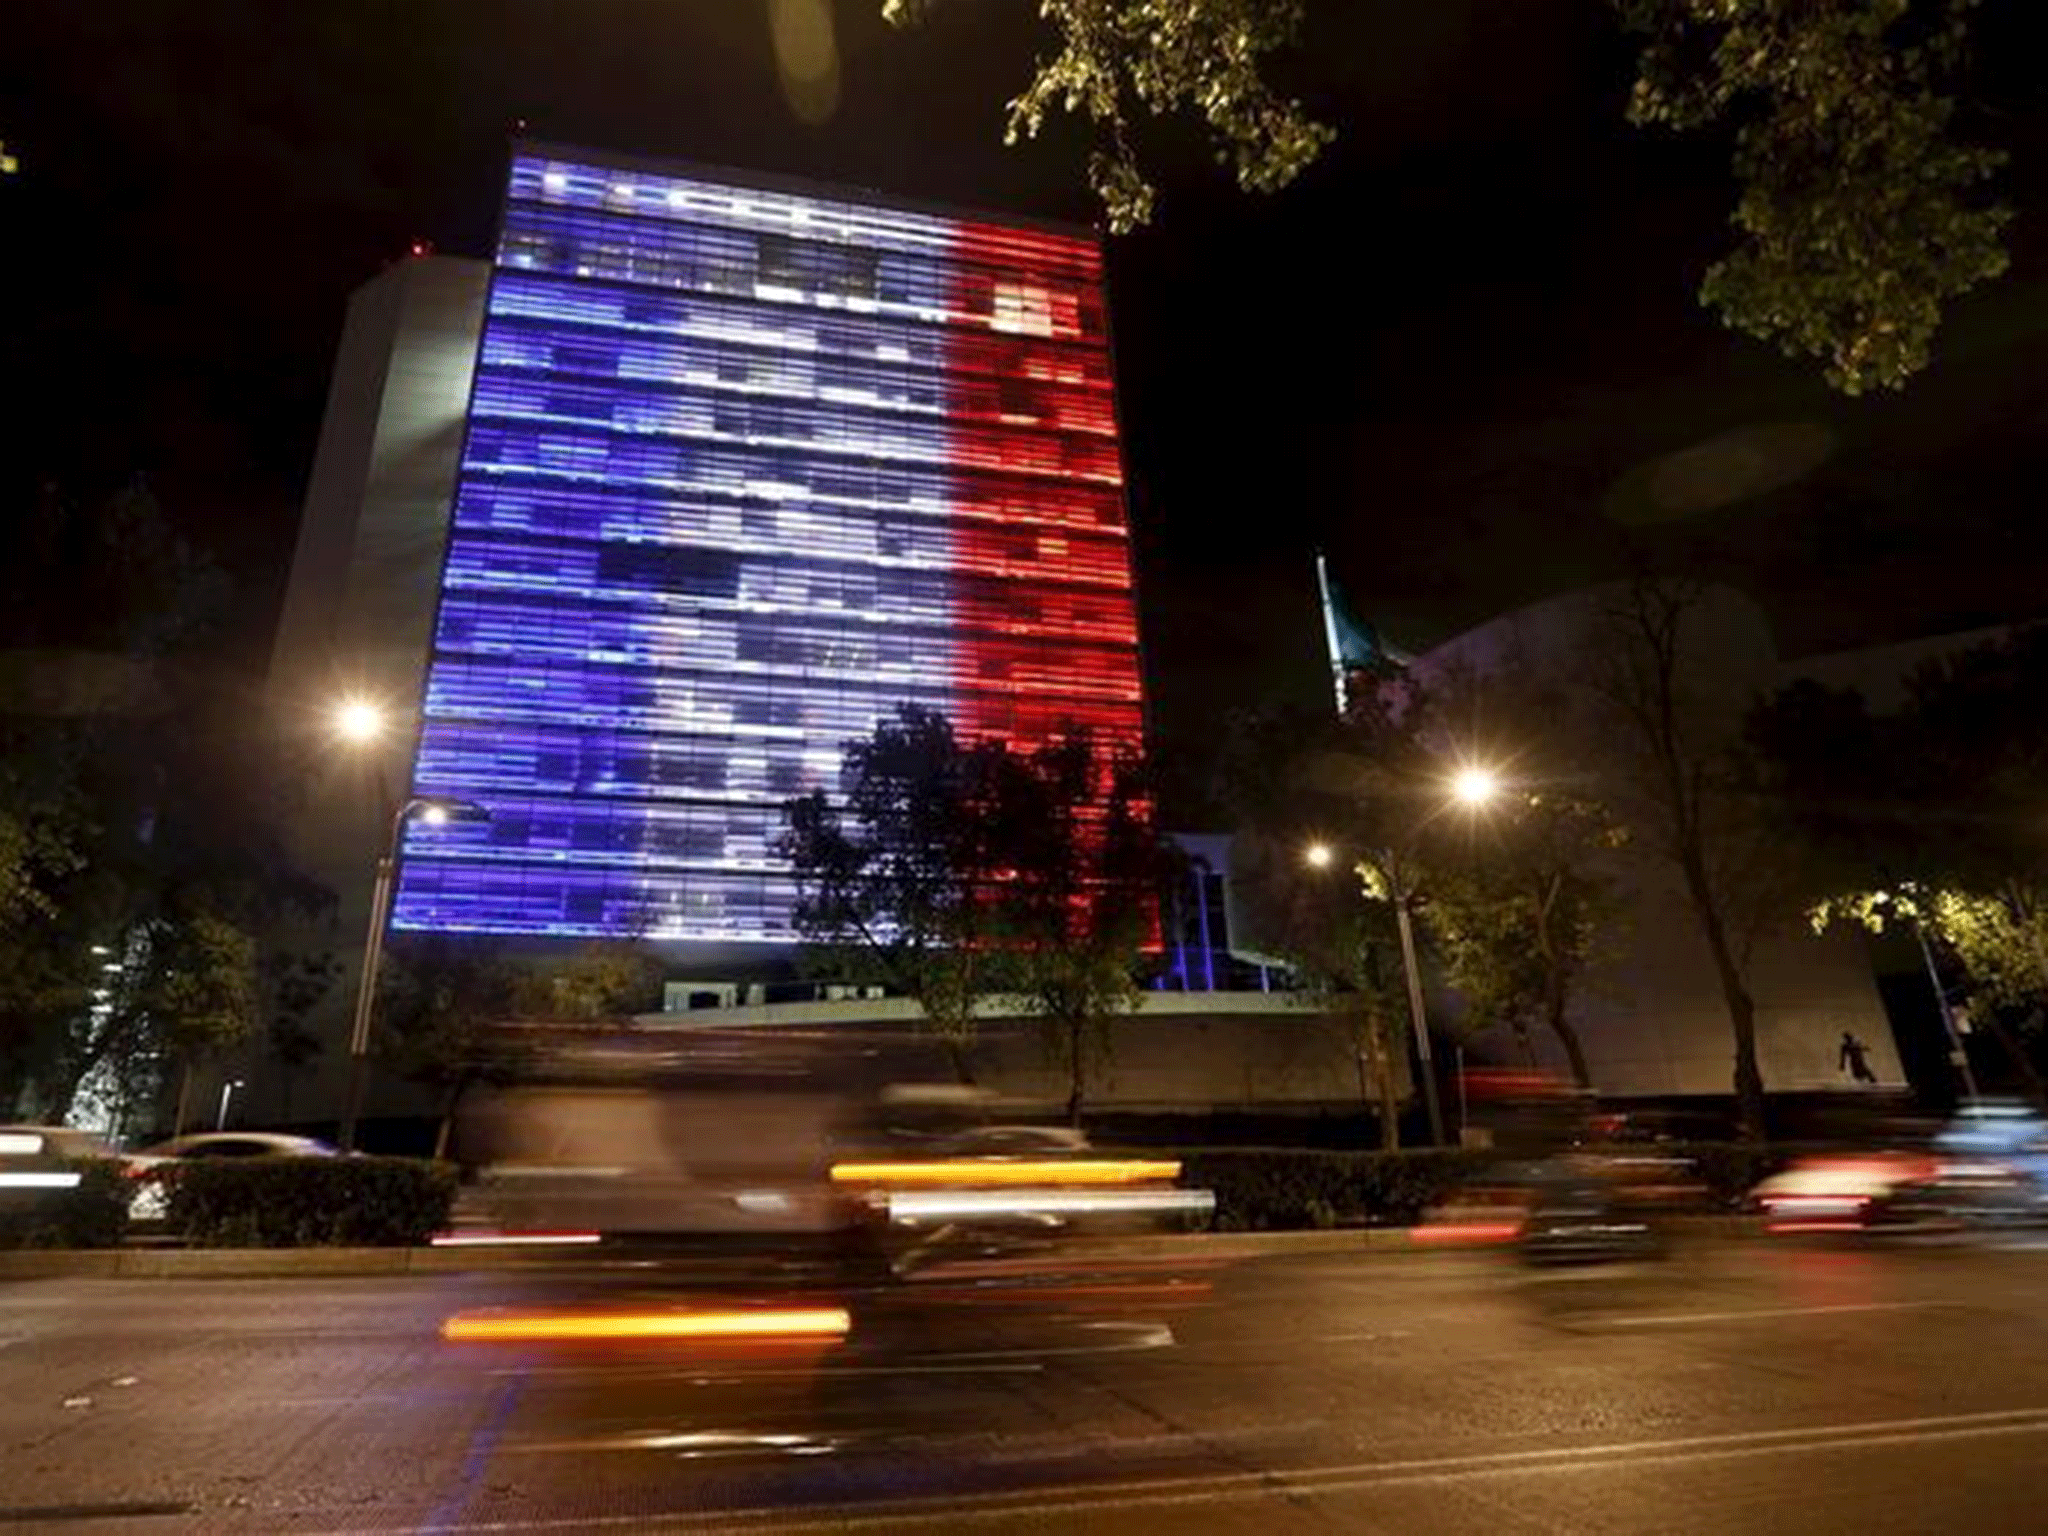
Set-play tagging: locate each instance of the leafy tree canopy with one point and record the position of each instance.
(953, 870)
(1860, 211)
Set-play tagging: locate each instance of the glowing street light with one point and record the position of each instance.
(358, 720)
(1320, 856)
(436, 811)
(227, 1093)
(1475, 786)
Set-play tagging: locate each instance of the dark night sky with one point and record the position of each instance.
(1454, 355)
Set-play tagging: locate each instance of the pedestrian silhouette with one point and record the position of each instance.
(1854, 1058)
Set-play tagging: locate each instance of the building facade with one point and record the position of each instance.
(745, 468)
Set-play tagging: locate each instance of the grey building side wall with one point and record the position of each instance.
(360, 605)
(358, 615)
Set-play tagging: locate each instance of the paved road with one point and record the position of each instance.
(1745, 1387)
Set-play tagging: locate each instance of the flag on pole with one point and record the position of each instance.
(1354, 645)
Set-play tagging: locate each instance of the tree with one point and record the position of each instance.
(1344, 953)
(1360, 790)
(1859, 213)
(959, 870)
(605, 979)
(1118, 58)
(201, 992)
(895, 885)
(2000, 949)
(1677, 738)
(294, 984)
(1521, 889)
(446, 1003)
(141, 795)
(1077, 896)
(444, 999)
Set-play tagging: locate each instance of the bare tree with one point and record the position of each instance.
(1678, 737)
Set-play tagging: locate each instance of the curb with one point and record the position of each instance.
(318, 1263)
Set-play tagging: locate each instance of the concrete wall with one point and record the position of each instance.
(1178, 1051)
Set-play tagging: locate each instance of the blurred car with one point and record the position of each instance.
(1991, 1167)
(1845, 1191)
(147, 1203)
(51, 1141)
(1987, 1167)
(36, 1160)
(230, 1144)
(1574, 1217)
(1018, 1141)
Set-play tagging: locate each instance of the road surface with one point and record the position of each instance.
(1749, 1386)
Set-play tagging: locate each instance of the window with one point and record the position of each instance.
(782, 263)
(1023, 308)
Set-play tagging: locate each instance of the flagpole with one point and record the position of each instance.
(1337, 669)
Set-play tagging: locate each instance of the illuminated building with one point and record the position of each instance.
(745, 467)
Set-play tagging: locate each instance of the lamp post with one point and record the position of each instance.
(227, 1092)
(1472, 787)
(1418, 1017)
(435, 811)
(360, 721)
(1322, 856)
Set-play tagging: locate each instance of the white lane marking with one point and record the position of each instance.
(1142, 1336)
(1379, 1336)
(1683, 1319)
(1281, 1482)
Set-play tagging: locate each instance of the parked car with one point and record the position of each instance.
(148, 1205)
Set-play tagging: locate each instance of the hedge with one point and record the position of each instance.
(1280, 1190)
(1291, 1189)
(303, 1202)
(1730, 1169)
(91, 1214)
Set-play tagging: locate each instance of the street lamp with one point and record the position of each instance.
(1475, 786)
(227, 1092)
(1321, 856)
(437, 811)
(358, 720)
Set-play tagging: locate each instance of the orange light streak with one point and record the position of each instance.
(972, 1172)
(829, 1323)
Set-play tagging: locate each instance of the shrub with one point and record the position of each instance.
(300, 1202)
(1282, 1189)
(92, 1214)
